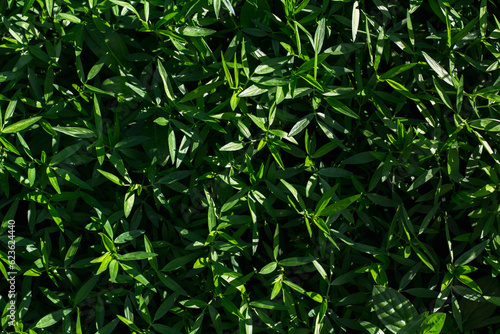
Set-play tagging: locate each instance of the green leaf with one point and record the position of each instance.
(171, 284)
(319, 35)
(140, 255)
(52, 318)
(55, 216)
(300, 125)
(229, 6)
(94, 70)
(268, 268)
(53, 179)
(401, 89)
(174, 176)
(231, 308)
(72, 178)
(68, 17)
(409, 25)
(408, 277)
(26, 8)
(325, 149)
(433, 324)
(462, 33)
(229, 78)
(167, 87)
(233, 146)
(471, 254)
(271, 65)
(397, 70)
(131, 142)
(441, 72)
(217, 5)
(310, 79)
(9, 146)
(129, 323)
(268, 305)
(296, 261)
(11, 107)
(128, 236)
(334, 172)
(200, 91)
(469, 282)
(64, 154)
(135, 274)
(340, 107)
(486, 124)
(172, 144)
(292, 190)
(442, 94)
(296, 287)
(338, 206)
(165, 306)
(258, 121)
(379, 49)
(253, 90)
(493, 300)
(355, 20)
(212, 217)
(392, 308)
(485, 191)
(127, 6)
(37, 52)
(108, 243)
(128, 201)
(113, 178)
(343, 49)
(483, 17)
(457, 314)
(196, 31)
(162, 121)
(270, 323)
(70, 254)
(85, 290)
(163, 329)
(325, 199)
(423, 178)
(74, 131)
(52, 296)
(109, 328)
(180, 261)
(21, 125)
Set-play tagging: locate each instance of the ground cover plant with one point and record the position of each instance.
(209, 166)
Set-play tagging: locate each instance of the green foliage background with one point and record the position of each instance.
(220, 166)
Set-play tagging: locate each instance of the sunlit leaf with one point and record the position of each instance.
(392, 308)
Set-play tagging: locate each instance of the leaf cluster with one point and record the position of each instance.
(212, 166)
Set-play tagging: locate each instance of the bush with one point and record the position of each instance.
(211, 166)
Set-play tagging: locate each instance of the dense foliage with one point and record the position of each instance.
(208, 166)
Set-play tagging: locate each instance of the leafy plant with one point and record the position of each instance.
(284, 166)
